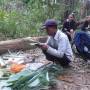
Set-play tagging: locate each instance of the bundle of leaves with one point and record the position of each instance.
(34, 80)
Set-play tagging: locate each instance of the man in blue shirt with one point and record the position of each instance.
(82, 41)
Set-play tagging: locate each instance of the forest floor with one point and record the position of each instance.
(75, 78)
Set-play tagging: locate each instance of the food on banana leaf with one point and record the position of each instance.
(15, 68)
(34, 79)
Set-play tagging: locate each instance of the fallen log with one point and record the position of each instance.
(19, 44)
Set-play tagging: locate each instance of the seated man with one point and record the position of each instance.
(82, 42)
(57, 48)
(69, 26)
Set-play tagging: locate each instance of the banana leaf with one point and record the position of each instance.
(35, 80)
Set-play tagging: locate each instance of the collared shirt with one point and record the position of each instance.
(59, 45)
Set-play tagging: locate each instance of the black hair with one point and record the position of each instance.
(85, 25)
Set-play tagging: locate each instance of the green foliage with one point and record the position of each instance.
(21, 18)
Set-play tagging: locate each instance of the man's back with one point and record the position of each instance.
(81, 40)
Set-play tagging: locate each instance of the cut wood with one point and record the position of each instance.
(19, 44)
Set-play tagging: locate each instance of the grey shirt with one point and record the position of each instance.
(59, 45)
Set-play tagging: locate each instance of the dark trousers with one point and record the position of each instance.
(85, 55)
(64, 61)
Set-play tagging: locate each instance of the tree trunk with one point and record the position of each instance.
(85, 8)
(19, 44)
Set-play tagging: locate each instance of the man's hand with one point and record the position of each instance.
(68, 33)
(71, 31)
(44, 47)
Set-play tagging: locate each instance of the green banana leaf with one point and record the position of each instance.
(35, 80)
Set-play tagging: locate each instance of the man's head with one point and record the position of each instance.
(71, 17)
(51, 27)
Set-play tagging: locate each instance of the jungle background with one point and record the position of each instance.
(21, 18)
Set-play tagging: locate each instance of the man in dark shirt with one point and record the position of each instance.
(69, 26)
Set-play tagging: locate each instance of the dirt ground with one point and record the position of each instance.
(75, 78)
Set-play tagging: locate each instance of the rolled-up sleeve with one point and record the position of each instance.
(62, 44)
